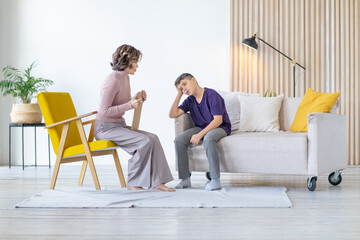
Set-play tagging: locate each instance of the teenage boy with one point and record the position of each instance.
(208, 112)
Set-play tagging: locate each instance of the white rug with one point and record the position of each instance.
(229, 197)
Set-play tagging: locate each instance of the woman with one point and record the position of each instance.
(148, 166)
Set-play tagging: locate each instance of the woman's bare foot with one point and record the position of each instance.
(135, 188)
(162, 187)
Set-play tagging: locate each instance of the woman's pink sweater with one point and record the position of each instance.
(115, 97)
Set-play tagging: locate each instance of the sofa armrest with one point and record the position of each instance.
(326, 142)
(183, 123)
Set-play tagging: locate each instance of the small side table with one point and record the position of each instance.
(23, 125)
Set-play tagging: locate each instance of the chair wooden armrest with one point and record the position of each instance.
(71, 119)
(137, 114)
(92, 121)
(92, 129)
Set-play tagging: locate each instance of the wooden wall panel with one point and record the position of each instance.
(322, 35)
(357, 79)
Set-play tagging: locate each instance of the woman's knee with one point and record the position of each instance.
(145, 140)
(153, 137)
(150, 136)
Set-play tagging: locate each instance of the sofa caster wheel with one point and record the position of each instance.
(335, 178)
(207, 174)
(311, 183)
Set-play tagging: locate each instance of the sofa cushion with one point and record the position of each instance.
(287, 113)
(288, 110)
(260, 114)
(335, 107)
(256, 152)
(232, 105)
(312, 102)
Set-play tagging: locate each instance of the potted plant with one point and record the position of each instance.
(271, 93)
(23, 86)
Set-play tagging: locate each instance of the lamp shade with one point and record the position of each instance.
(250, 42)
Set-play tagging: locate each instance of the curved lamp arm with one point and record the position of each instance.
(251, 42)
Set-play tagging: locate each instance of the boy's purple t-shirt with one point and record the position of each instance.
(202, 113)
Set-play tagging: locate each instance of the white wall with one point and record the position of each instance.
(74, 40)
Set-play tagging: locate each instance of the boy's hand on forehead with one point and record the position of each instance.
(179, 89)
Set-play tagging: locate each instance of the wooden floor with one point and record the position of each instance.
(328, 213)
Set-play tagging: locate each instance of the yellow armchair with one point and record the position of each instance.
(68, 136)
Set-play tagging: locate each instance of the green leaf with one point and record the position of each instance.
(266, 93)
(21, 84)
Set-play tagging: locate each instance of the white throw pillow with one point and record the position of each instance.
(232, 105)
(260, 114)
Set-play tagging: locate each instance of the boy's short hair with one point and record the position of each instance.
(182, 76)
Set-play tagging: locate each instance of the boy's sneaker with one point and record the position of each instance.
(214, 184)
(185, 183)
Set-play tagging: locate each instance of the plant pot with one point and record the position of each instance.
(26, 113)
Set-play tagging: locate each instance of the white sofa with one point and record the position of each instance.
(320, 150)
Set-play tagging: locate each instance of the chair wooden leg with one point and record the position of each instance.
(93, 171)
(88, 154)
(82, 173)
(56, 172)
(59, 154)
(119, 169)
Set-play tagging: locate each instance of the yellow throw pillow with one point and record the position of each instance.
(312, 102)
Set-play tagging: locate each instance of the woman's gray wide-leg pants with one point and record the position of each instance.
(148, 166)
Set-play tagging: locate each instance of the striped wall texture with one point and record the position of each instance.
(321, 35)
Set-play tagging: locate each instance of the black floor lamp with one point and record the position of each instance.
(251, 42)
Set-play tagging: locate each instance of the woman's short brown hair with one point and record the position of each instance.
(124, 56)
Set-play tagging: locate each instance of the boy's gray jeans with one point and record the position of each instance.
(182, 141)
